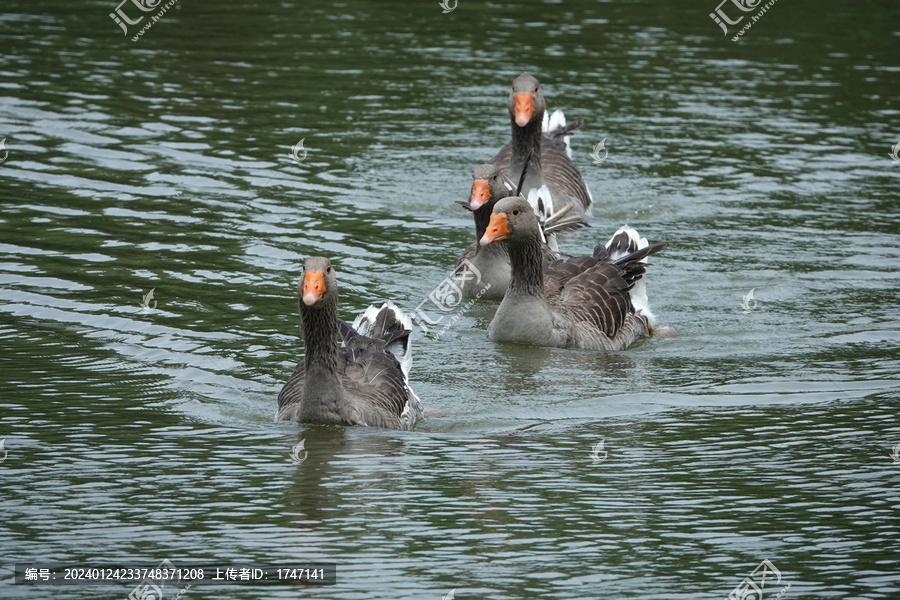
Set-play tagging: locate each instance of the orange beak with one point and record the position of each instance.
(313, 287)
(496, 230)
(524, 109)
(481, 193)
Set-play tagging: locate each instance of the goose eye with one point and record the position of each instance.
(515, 212)
(328, 269)
(536, 88)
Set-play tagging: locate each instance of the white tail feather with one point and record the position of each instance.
(639, 291)
(542, 204)
(635, 243)
(364, 323)
(557, 121)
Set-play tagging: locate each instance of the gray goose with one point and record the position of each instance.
(580, 302)
(492, 261)
(551, 163)
(364, 382)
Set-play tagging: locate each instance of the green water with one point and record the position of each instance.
(164, 164)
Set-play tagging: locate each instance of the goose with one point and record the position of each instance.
(588, 302)
(551, 163)
(492, 262)
(364, 382)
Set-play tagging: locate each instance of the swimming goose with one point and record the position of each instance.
(364, 382)
(551, 163)
(580, 302)
(492, 262)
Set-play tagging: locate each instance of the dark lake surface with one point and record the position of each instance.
(761, 431)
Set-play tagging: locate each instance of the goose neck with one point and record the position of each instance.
(526, 266)
(320, 329)
(483, 218)
(524, 139)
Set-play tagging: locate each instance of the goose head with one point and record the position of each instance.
(526, 100)
(488, 185)
(513, 221)
(319, 285)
